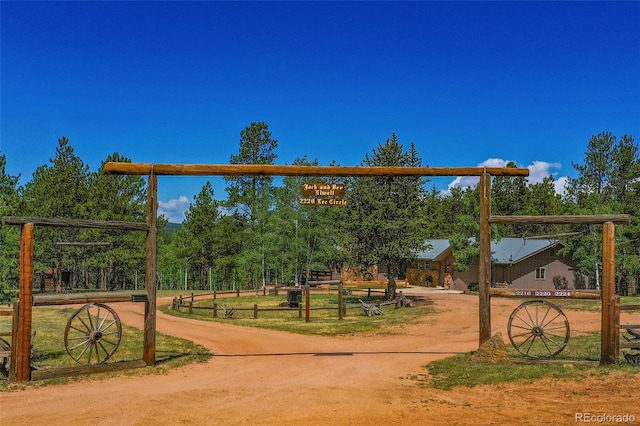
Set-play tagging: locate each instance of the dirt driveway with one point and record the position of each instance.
(263, 377)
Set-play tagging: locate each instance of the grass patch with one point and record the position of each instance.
(460, 371)
(323, 315)
(592, 305)
(49, 350)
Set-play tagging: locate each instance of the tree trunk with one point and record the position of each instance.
(633, 285)
(202, 277)
(391, 286)
(250, 277)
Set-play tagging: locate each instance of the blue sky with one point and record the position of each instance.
(471, 83)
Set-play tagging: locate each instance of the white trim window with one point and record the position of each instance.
(541, 274)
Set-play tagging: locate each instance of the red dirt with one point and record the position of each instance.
(274, 378)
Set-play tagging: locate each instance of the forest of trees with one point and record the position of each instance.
(259, 233)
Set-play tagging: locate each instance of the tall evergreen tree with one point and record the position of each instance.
(508, 197)
(385, 220)
(306, 234)
(114, 197)
(252, 196)
(464, 205)
(58, 190)
(607, 183)
(10, 205)
(197, 238)
(247, 192)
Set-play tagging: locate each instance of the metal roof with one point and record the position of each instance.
(435, 249)
(505, 250)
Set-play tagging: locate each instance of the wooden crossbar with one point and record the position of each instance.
(290, 170)
(629, 307)
(76, 223)
(81, 298)
(618, 219)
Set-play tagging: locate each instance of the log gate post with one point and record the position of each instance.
(609, 333)
(149, 344)
(23, 343)
(484, 273)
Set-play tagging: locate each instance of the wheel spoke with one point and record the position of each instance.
(86, 346)
(85, 337)
(544, 324)
(531, 321)
(544, 342)
(531, 344)
(102, 329)
(86, 326)
(83, 343)
(551, 340)
(528, 333)
(555, 335)
(90, 319)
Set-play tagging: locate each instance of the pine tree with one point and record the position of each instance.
(385, 220)
(252, 197)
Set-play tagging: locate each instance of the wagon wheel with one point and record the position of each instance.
(538, 329)
(92, 334)
(5, 348)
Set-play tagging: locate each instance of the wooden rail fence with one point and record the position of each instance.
(190, 306)
(634, 344)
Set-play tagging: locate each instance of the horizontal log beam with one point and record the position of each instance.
(629, 307)
(554, 294)
(81, 298)
(618, 219)
(330, 282)
(52, 373)
(290, 170)
(76, 223)
(81, 244)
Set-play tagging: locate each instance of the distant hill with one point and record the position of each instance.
(173, 227)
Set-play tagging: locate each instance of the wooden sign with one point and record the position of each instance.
(322, 201)
(323, 189)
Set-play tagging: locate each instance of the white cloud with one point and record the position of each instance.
(560, 185)
(471, 181)
(174, 209)
(538, 170)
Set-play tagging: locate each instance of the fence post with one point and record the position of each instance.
(14, 338)
(190, 308)
(255, 311)
(616, 317)
(608, 334)
(340, 314)
(307, 306)
(215, 310)
(24, 320)
(238, 292)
